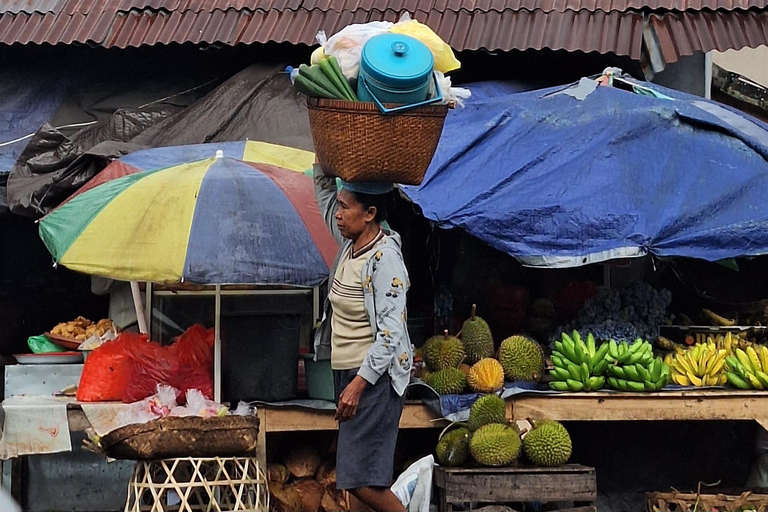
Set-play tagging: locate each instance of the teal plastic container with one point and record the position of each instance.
(395, 68)
(319, 378)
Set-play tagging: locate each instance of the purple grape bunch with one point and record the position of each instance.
(623, 315)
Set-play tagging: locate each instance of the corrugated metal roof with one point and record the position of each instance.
(678, 27)
(600, 32)
(412, 6)
(30, 6)
(686, 34)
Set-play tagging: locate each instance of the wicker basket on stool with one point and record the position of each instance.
(194, 484)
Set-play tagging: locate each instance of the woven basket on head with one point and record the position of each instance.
(356, 142)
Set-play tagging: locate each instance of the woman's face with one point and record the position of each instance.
(351, 217)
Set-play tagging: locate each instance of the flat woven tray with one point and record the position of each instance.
(174, 437)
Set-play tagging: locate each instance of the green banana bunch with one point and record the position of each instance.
(748, 369)
(579, 364)
(652, 375)
(639, 352)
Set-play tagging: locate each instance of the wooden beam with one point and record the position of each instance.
(284, 419)
(672, 406)
(261, 439)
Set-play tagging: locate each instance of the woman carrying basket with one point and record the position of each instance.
(364, 334)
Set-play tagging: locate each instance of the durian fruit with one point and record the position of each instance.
(522, 358)
(547, 444)
(495, 445)
(447, 382)
(453, 448)
(487, 409)
(476, 337)
(441, 352)
(486, 376)
(465, 369)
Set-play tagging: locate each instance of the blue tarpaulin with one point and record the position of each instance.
(557, 181)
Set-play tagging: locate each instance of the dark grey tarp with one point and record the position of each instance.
(257, 103)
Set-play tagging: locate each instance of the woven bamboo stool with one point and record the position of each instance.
(220, 484)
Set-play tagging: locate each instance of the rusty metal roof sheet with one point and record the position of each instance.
(674, 27)
(685, 34)
(30, 6)
(412, 6)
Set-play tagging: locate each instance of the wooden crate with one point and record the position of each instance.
(517, 485)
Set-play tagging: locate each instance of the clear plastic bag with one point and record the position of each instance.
(450, 94)
(199, 405)
(244, 409)
(347, 44)
(151, 408)
(445, 60)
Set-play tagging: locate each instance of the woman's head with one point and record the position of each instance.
(358, 211)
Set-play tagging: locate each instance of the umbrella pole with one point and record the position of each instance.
(136, 292)
(217, 348)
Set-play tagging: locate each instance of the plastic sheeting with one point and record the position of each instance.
(26, 102)
(558, 182)
(258, 103)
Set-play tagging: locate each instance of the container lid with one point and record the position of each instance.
(397, 60)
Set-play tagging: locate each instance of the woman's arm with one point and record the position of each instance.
(325, 193)
(389, 281)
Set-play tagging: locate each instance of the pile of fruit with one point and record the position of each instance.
(700, 365)
(582, 366)
(623, 315)
(578, 366)
(454, 365)
(634, 368)
(748, 369)
(488, 439)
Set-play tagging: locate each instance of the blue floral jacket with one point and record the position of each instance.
(385, 284)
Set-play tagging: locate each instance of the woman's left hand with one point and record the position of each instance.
(349, 399)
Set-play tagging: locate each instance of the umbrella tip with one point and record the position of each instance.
(219, 153)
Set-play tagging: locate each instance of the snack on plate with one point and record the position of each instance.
(81, 328)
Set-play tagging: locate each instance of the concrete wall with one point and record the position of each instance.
(687, 75)
(749, 62)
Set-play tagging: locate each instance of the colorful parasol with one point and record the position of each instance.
(211, 221)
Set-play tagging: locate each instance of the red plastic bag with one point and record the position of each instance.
(195, 347)
(194, 352)
(187, 364)
(150, 365)
(105, 373)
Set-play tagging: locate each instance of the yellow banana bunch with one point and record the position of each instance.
(730, 342)
(748, 369)
(700, 365)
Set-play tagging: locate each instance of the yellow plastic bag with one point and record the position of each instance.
(445, 60)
